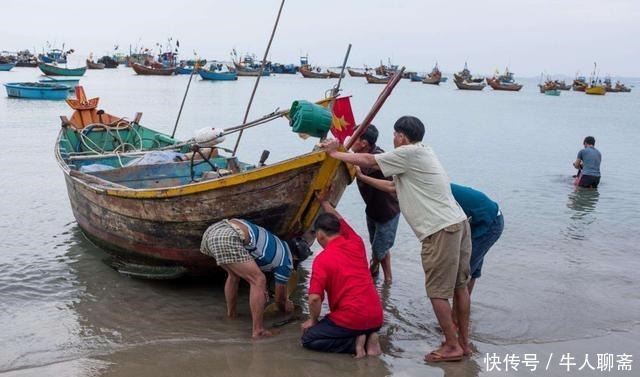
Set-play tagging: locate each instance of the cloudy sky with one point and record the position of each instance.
(554, 36)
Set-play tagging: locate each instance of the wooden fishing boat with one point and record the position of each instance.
(92, 65)
(306, 72)
(371, 79)
(108, 62)
(36, 90)
(620, 87)
(467, 85)
(52, 70)
(355, 73)
(151, 71)
(579, 84)
(498, 85)
(434, 77)
(334, 75)
(155, 214)
(598, 90)
(6, 66)
(217, 75)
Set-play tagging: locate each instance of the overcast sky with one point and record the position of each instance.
(554, 36)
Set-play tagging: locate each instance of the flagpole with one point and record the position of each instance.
(255, 87)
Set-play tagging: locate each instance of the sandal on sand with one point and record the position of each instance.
(436, 357)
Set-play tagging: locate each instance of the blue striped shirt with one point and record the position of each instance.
(269, 252)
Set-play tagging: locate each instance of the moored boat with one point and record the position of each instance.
(306, 72)
(355, 73)
(598, 90)
(434, 77)
(371, 79)
(92, 65)
(108, 62)
(36, 90)
(469, 85)
(552, 92)
(69, 83)
(217, 75)
(151, 71)
(52, 70)
(334, 75)
(496, 84)
(6, 66)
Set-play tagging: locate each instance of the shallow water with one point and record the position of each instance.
(564, 269)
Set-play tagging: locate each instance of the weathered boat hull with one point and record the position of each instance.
(464, 85)
(165, 226)
(497, 85)
(354, 73)
(432, 80)
(371, 79)
(52, 70)
(334, 75)
(149, 71)
(596, 90)
(7, 66)
(313, 75)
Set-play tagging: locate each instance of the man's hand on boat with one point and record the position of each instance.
(331, 145)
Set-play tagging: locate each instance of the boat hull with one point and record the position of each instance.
(149, 71)
(371, 79)
(463, 85)
(37, 91)
(165, 226)
(51, 70)
(596, 90)
(313, 75)
(6, 66)
(218, 76)
(94, 65)
(354, 73)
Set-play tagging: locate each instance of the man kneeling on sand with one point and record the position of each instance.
(341, 270)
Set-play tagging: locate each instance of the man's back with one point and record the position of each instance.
(591, 159)
(341, 270)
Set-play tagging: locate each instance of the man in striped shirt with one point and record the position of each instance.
(245, 251)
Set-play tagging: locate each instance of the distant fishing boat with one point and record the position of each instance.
(552, 92)
(6, 66)
(468, 85)
(55, 56)
(371, 79)
(92, 65)
(596, 87)
(334, 75)
(36, 90)
(151, 71)
(217, 75)
(52, 70)
(434, 77)
(307, 72)
(355, 73)
(496, 84)
(108, 62)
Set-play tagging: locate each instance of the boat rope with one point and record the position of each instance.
(255, 87)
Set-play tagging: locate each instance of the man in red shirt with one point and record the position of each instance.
(341, 270)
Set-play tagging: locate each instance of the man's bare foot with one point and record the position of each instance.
(360, 343)
(445, 353)
(467, 350)
(261, 334)
(373, 345)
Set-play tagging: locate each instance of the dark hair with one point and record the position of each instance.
(370, 135)
(328, 223)
(299, 249)
(590, 140)
(411, 127)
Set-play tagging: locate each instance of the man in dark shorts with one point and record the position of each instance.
(341, 272)
(588, 164)
(382, 208)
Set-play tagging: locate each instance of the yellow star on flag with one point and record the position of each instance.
(339, 124)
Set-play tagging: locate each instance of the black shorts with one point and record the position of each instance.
(589, 181)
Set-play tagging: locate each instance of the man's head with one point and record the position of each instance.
(300, 250)
(366, 141)
(407, 130)
(327, 227)
(589, 140)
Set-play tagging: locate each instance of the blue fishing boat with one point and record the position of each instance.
(7, 66)
(417, 77)
(218, 75)
(552, 92)
(54, 56)
(52, 70)
(36, 90)
(69, 83)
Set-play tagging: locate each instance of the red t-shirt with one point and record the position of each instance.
(341, 270)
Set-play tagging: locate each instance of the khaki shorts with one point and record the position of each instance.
(445, 260)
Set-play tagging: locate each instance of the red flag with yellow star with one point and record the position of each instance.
(342, 123)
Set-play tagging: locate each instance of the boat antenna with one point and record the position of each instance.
(255, 87)
(336, 89)
(195, 68)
